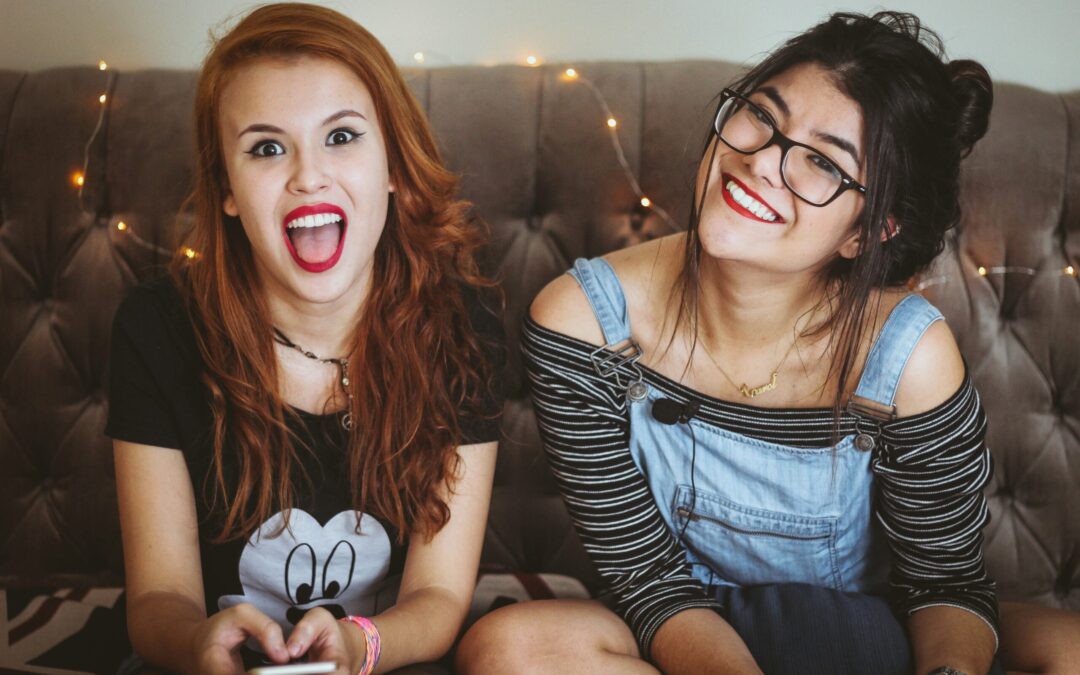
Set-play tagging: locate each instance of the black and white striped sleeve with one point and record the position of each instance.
(932, 507)
(585, 430)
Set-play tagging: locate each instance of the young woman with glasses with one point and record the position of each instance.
(771, 450)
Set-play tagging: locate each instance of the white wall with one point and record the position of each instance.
(1035, 42)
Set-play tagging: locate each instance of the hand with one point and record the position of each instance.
(217, 641)
(324, 638)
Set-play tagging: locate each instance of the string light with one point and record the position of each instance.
(982, 271)
(572, 75)
(1070, 270)
(190, 253)
(102, 65)
(101, 99)
(78, 179)
(121, 226)
(532, 61)
(418, 57)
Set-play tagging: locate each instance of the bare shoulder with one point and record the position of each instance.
(933, 373)
(562, 306)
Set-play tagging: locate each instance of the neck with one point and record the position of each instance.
(749, 307)
(325, 329)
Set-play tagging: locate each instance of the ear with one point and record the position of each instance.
(229, 206)
(891, 229)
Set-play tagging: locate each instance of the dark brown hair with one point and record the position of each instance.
(921, 116)
(417, 361)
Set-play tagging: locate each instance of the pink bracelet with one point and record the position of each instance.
(372, 643)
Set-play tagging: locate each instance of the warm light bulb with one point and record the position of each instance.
(190, 253)
(532, 60)
(77, 179)
(982, 271)
(1070, 270)
(121, 226)
(570, 74)
(646, 202)
(612, 123)
(101, 99)
(102, 65)
(418, 57)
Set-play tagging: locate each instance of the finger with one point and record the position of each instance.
(266, 631)
(313, 626)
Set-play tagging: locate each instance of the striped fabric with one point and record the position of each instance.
(930, 477)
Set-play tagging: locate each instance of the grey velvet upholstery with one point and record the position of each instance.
(533, 154)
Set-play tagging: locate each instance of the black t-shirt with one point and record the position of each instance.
(157, 397)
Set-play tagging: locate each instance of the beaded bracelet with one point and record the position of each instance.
(372, 643)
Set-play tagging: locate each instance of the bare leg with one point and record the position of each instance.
(1037, 639)
(550, 636)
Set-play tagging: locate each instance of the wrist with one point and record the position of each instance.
(368, 642)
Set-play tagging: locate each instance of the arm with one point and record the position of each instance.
(585, 430)
(167, 619)
(437, 584)
(939, 572)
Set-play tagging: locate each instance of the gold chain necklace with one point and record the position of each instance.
(745, 389)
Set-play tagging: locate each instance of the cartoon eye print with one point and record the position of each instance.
(332, 587)
(310, 564)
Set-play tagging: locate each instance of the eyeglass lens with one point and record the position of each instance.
(807, 173)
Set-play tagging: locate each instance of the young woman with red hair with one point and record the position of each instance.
(304, 416)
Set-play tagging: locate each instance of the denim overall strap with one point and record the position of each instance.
(903, 329)
(606, 297)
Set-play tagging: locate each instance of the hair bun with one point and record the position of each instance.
(974, 98)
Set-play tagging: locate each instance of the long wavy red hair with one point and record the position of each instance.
(417, 363)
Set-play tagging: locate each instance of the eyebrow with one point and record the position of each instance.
(271, 129)
(773, 95)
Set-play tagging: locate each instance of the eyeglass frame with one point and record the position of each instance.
(785, 143)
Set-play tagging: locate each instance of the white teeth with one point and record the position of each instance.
(749, 203)
(316, 220)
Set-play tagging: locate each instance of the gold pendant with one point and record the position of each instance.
(751, 393)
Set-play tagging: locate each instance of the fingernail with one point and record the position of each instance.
(294, 650)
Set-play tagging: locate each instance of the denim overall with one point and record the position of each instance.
(760, 512)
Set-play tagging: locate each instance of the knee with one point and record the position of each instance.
(499, 642)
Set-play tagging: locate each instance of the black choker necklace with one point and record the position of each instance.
(343, 372)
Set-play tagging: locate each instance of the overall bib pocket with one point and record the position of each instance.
(749, 546)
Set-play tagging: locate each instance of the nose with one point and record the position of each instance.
(766, 164)
(308, 176)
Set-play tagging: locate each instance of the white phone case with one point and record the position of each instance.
(296, 669)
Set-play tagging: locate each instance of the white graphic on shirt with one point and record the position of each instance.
(311, 565)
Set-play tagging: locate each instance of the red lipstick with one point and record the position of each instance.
(742, 210)
(311, 210)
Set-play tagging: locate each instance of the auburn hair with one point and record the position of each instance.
(417, 363)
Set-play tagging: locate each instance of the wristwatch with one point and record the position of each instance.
(945, 670)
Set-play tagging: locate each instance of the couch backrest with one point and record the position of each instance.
(534, 155)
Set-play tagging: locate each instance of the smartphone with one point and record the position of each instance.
(296, 669)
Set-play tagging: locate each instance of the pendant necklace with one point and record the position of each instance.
(745, 389)
(343, 375)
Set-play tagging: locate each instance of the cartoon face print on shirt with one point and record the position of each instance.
(311, 565)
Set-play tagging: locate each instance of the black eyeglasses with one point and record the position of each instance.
(808, 173)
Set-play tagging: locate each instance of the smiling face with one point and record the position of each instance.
(307, 176)
(750, 216)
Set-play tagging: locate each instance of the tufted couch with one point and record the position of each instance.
(535, 157)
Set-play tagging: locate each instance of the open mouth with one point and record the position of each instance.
(746, 202)
(315, 236)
